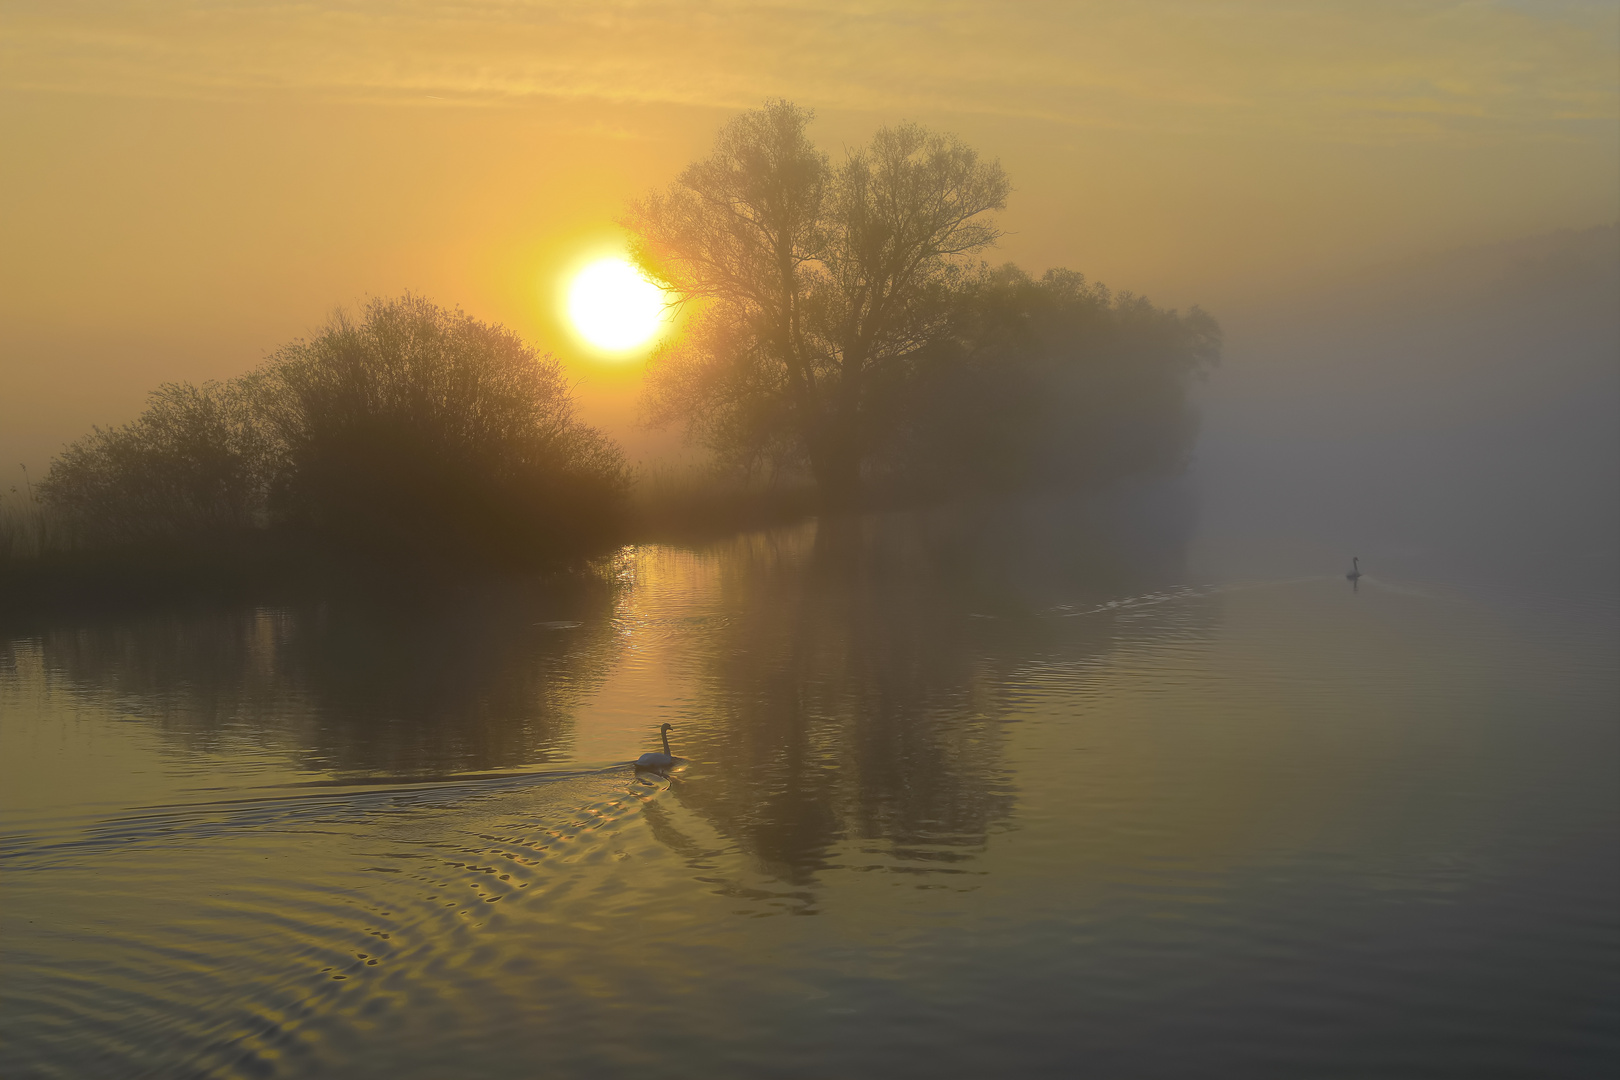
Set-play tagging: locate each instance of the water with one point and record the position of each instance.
(957, 804)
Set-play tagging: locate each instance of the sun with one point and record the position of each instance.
(614, 307)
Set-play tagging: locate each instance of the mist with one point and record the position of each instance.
(753, 538)
(1453, 417)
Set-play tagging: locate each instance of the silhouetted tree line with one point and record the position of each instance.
(1046, 384)
(840, 330)
(839, 334)
(412, 429)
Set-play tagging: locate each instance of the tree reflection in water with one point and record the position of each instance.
(851, 703)
(842, 690)
(426, 684)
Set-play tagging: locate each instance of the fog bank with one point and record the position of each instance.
(1455, 418)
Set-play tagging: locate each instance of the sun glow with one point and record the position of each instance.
(614, 307)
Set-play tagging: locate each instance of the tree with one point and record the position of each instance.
(814, 285)
(1051, 383)
(193, 463)
(412, 429)
(421, 428)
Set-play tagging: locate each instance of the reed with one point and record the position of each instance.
(29, 529)
(699, 501)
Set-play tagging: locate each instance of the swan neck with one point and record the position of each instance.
(665, 736)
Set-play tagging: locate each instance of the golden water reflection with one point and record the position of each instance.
(1050, 805)
(827, 683)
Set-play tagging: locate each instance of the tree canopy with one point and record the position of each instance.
(814, 283)
(418, 421)
(193, 462)
(1053, 382)
(842, 325)
(410, 429)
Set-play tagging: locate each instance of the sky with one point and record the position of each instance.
(187, 186)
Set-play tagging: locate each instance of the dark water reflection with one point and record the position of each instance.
(403, 687)
(1051, 808)
(853, 690)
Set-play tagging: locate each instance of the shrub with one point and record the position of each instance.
(27, 528)
(424, 429)
(412, 430)
(195, 462)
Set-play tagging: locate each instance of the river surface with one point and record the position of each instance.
(958, 802)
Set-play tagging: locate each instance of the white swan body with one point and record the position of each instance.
(654, 761)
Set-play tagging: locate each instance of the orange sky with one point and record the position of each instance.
(186, 187)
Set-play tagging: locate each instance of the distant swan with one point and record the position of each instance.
(1355, 569)
(655, 761)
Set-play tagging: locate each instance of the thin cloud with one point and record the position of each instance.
(1353, 71)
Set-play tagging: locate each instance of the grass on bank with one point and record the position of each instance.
(28, 529)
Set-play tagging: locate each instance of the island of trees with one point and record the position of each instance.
(844, 341)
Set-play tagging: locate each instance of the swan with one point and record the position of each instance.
(655, 761)
(1355, 569)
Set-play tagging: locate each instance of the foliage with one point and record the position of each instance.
(412, 429)
(425, 428)
(813, 282)
(27, 528)
(194, 462)
(838, 326)
(1050, 383)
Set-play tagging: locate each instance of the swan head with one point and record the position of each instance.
(665, 727)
